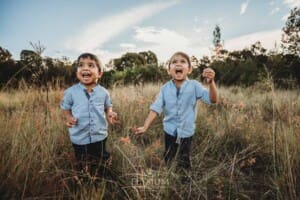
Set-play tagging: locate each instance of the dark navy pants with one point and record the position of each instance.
(90, 155)
(182, 150)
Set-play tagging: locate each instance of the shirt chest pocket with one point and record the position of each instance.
(188, 98)
(99, 105)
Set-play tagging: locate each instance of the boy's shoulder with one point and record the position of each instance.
(73, 87)
(194, 82)
(167, 84)
(101, 88)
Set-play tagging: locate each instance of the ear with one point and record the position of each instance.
(77, 75)
(168, 70)
(100, 74)
(190, 69)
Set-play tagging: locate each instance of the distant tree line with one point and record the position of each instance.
(244, 67)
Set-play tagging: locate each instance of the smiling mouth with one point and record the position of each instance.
(178, 71)
(85, 74)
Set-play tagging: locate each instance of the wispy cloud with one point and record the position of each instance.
(164, 42)
(244, 7)
(274, 10)
(104, 30)
(267, 39)
(160, 36)
(128, 46)
(292, 3)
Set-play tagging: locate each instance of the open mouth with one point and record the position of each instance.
(178, 71)
(85, 74)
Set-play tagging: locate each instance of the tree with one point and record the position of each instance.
(194, 61)
(8, 67)
(129, 60)
(32, 64)
(149, 57)
(5, 55)
(217, 36)
(291, 33)
(218, 53)
(258, 49)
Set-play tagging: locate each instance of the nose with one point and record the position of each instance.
(84, 67)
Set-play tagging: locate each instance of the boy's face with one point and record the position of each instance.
(179, 68)
(87, 72)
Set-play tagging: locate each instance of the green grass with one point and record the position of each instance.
(245, 147)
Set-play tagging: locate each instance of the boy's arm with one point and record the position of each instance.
(209, 74)
(111, 116)
(71, 121)
(151, 116)
(213, 91)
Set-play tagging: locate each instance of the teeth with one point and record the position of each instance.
(85, 74)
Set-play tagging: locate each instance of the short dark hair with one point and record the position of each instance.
(181, 54)
(92, 57)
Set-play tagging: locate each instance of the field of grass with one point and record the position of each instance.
(245, 147)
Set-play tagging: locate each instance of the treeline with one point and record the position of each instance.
(254, 64)
(34, 70)
(245, 67)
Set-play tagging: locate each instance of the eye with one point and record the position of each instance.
(91, 65)
(80, 65)
(183, 61)
(174, 61)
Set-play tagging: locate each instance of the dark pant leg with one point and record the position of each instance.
(184, 153)
(89, 156)
(170, 148)
(80, 152)
(98, 150)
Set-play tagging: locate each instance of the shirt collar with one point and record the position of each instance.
(84, 88)
(183, 84)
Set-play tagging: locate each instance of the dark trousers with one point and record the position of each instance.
(90, 156)
(182, 150)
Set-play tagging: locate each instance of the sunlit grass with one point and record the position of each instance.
(245, 147)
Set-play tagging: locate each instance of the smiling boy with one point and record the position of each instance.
(178, 99)
(87, 107)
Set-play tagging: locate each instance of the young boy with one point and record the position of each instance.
(178, 99)
(87, 107)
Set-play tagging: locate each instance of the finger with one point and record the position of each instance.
(69, 125)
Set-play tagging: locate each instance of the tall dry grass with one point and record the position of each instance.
(245, 147)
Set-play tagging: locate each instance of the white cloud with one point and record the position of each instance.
(128, 46)
(292, 3)
(164, 42)
(267, 39)
(105, 29)
(244, 7)
(274, 10)
(160, 36)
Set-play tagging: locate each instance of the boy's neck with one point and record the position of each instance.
(89, 88)
(178, 83)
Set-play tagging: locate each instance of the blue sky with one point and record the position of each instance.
(111, 28)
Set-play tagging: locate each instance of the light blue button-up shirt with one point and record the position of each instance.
(89, 110)
(180, 106)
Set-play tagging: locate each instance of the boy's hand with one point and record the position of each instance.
(112, 117)
(208, 74)
(72, 121)
(139, 130)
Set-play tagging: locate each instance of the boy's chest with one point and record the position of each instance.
(88, 99)
(180, 97)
